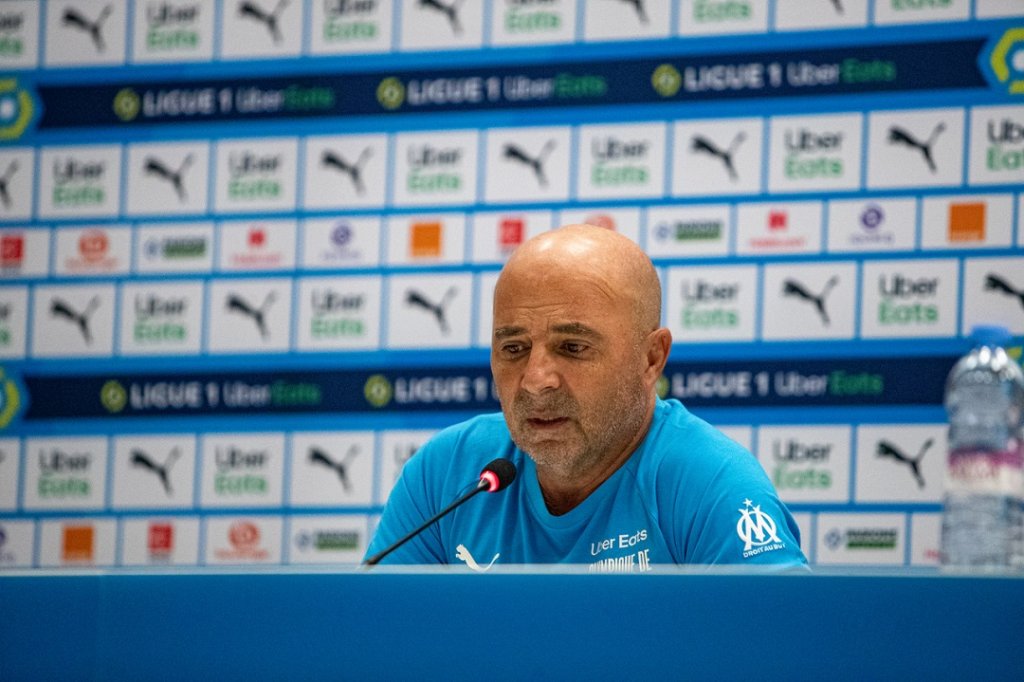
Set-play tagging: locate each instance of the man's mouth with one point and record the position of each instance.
(546, 422)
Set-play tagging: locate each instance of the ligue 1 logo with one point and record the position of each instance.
(1007, 60)
(16, 109)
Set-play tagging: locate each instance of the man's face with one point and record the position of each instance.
(568, 366)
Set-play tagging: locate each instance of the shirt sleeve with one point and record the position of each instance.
(739, 519)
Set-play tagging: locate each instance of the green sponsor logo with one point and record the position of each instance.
(666, 80)
(126, 104)
(391, 93)
(378, 390)
(113, 396)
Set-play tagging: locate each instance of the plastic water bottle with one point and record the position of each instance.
(983, 510)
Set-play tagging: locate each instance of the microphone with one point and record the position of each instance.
(495, 477)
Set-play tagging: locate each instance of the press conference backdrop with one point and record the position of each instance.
(248, 247)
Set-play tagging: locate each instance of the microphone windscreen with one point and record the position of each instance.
(503, 470)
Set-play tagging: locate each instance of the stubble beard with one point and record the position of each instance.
(592, 438)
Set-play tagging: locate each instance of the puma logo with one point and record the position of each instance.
(60, 308)
(451, 12)
(239, 305)
(887, 449)
(5, 180)
(463, 554)
(76, 19)
(898, 135)
(706, 146)
(143, 460)
(318, 456)
(417, 299)
(996, 283)
(353, 170)
(269, 19)
(534, 163)
(793, 288)
(155, 166)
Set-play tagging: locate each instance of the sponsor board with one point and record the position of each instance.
(712, 304)
(814, 153)
(181, 31)
(717, 17)
(342, 27)
(993, 292)
(396, 448)
(24, 252)
(13, 321)
(925, 533)
(441, 25)
(621, 161)
(161, 318)
(990, 9)
(778, 228)
(249, 315)
(338, 243)
(435, 168)
(19, 35)
(688, 231)
(496, 235)
(234, 540)
(337, 313)
(526, 165)
(804, 525)
(332, 469)
(871, 225)
(967, 221)
(160, 541)
(908, 298)
(916, 11)
(17, 543)
(154, 472)
(77, 543)
(915, 148)
(256, 174)
(625, 221)
(257, 245)
(168, 178)
(174, 248)
(92, 251)
(900, 462)
(429, 311)
(997, 145)
(807, 463)
(485, 282)
(81, 33)
(241, 469)
(627, 20)
(69, 320)
(262, 28)
(438, 239)
(345, 171)
(717, 157)
(809, 301)
(514, 22)
(327, 539)
(82, 181)
(65, 473)
(10, 469)
(861, 539)
(17, 170)
(793, 15)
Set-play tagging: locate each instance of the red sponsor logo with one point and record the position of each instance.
(12, 250)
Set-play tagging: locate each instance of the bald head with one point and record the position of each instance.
(592, 256)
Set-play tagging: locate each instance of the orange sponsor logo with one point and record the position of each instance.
(78, 543)
(425, 240)
(967, 222)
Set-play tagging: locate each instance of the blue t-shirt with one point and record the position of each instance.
(688, 495)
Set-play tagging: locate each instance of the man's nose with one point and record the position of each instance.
(541, 373)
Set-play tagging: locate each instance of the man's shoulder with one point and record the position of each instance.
(467, 445)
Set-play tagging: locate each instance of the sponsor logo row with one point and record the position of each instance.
(648, 160)
(337, 469)
(83, 33)
(840, 300)
(182, 541)
(827, 538)
(880, 224)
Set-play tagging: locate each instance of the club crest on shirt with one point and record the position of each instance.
(757, 529)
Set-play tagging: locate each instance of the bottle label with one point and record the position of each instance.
(999, 472)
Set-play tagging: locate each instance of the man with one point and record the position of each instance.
(609, 475)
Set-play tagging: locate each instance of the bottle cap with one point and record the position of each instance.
(990, 335)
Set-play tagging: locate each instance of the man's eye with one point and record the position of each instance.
(573, 348)
(512, 348)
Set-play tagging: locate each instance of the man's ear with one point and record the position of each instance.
(659, 343)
